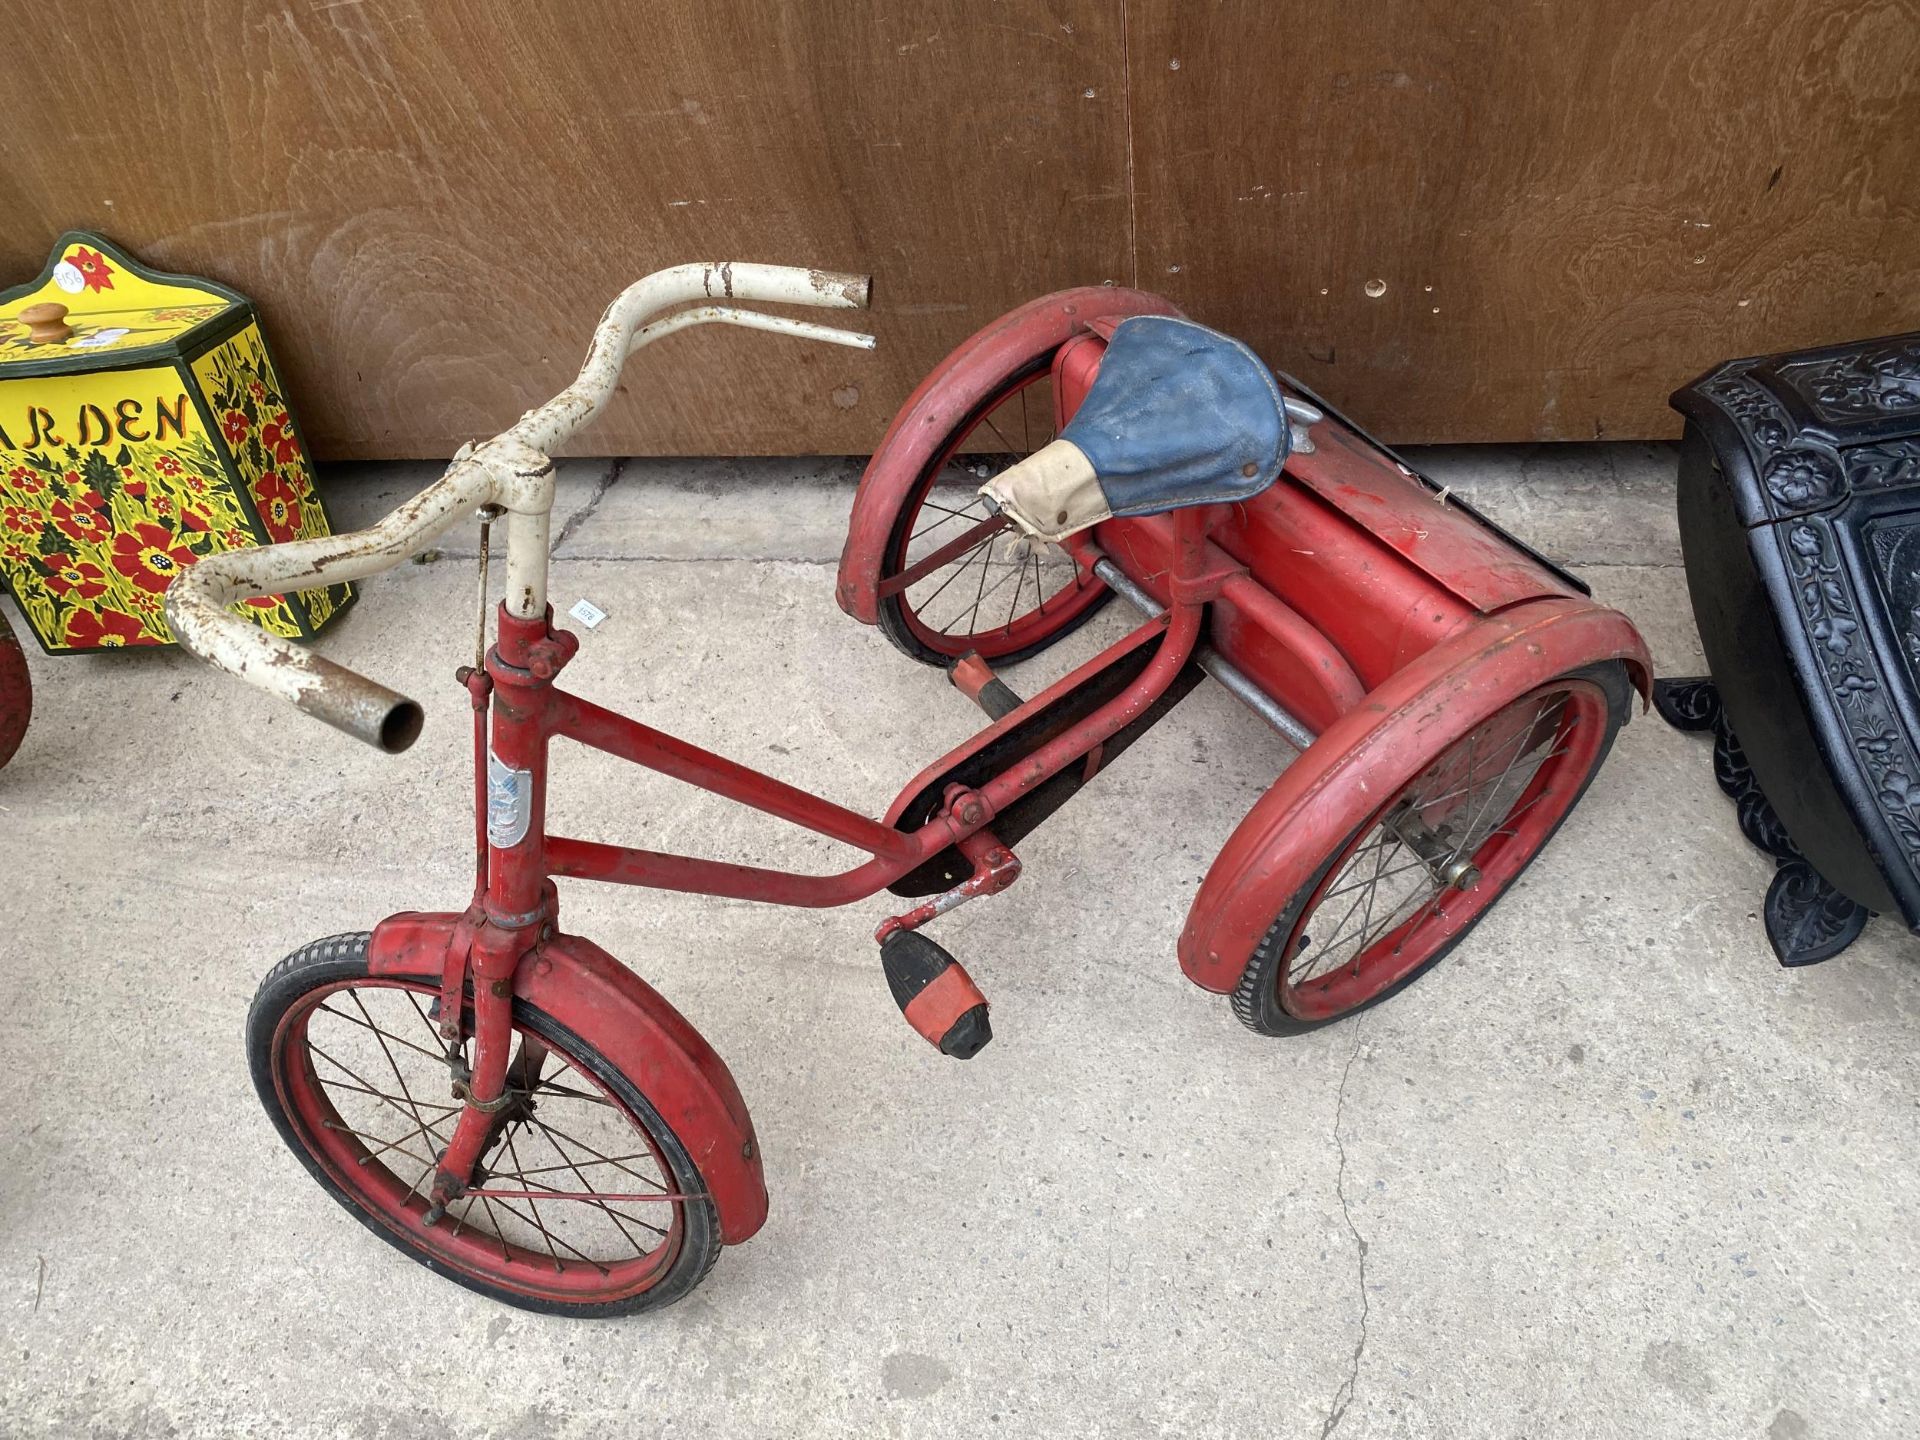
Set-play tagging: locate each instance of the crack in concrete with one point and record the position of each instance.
(585, 512)
(1343, 1397)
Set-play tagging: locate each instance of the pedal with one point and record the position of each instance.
(935, 993)
(975, 679)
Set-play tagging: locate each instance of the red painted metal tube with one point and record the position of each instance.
(1183, 632)
(588, 723)
(623, 865)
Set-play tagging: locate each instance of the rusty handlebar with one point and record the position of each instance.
(511, 471)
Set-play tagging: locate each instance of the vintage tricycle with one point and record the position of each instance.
(509, 1105)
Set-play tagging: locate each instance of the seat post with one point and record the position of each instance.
(1200, 567)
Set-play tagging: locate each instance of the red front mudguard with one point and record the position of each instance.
(613, 1010)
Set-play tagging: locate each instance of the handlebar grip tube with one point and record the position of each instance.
(197, 601)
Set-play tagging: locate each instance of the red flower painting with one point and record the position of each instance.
(81, 519)
(95, 273)
(277, 436)
(81, 579)
(234, 426)
(279, 506)
(149, 557)
(108, 629)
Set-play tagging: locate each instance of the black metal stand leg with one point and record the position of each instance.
(1688, 702)
(1807, 919)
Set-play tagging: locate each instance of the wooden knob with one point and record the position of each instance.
(46, 323)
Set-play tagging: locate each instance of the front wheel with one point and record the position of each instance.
(586, 1203)
(1394, 896)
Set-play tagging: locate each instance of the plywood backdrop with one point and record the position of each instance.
(1465, 221)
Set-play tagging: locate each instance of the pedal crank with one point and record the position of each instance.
(932, 989)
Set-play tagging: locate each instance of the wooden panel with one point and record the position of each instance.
(432, 203)
(1572, 208)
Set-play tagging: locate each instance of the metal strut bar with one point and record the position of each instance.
(1440, 856)
(1235, 681)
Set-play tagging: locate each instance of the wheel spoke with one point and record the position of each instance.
(1367, 924)
(984, 550)
(1385, 875)
(380, 1095)
(413, 997)
(437, 1058)
(570, 1164)
(557, 1135)
(384, 1144)
(618, 1219)
(507, 1205)
(973, 615)
(388, 1099)
(386, 1050)
(547, 1087)
(534, 1206)
(1466, 835)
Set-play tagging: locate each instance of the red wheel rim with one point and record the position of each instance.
(352, 1064)
(993, 603)
(1453, 838)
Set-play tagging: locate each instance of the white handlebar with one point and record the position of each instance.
(511, 470)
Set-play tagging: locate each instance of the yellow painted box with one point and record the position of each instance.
(142, 426)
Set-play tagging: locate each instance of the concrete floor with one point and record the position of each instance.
(1609, 1171)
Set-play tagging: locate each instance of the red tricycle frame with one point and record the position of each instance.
(1349, 602)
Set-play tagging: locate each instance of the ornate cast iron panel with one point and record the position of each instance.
(1800, 519)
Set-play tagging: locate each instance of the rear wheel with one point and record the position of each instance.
(586, 1202)
(1395, 896)
(16, 692)
(958, 577)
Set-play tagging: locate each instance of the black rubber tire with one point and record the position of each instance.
(890, 614)
(1256, 999)
(344, 957)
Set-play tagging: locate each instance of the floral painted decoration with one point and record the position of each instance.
(117, 475)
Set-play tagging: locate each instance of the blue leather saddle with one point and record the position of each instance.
(1179, 415)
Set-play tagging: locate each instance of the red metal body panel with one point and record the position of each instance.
(628, 1021)
(1451, 548)
(940, 404)
(1075, 365)
(16, 692)
(1377, 748)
